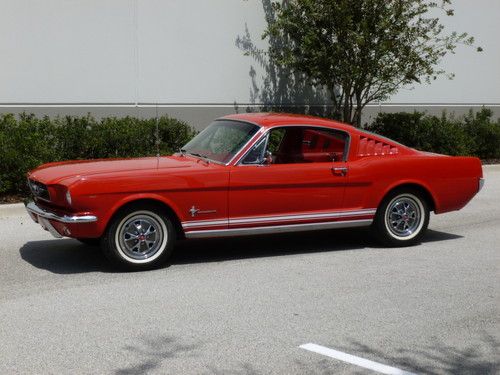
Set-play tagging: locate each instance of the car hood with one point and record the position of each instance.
(53, 173)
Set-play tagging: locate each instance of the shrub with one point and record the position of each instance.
(484, 133)
(28, 141)
(474, 134)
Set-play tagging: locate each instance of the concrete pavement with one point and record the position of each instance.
(244, 306)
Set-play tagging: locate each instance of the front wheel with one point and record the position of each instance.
(139, 238)
(402, 218)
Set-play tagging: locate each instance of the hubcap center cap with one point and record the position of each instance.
(403, 216)
(140, 236)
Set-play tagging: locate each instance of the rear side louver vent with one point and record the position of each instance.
(370, 146)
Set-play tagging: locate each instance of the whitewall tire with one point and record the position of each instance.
(402, 218)
(139, 237)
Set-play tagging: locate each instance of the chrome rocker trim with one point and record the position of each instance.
(32, 208)
(278, 229)
(277, 218)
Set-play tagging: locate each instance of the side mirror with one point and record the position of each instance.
(268, 158)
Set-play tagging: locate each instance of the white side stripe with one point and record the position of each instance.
(277, 228)
(298, 217)
(203, 223)
(358, 361)
(283, 218)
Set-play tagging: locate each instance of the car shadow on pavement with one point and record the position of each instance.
(68, 256)
(223, 249)
(64, 256)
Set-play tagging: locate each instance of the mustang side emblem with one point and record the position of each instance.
(195, 211)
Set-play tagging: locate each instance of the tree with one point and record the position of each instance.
(363, 50)
(282, 88)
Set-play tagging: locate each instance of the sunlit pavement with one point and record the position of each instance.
(245, 306)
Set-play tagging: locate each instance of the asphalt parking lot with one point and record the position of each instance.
(245, 306)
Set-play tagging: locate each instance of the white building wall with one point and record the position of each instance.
(182, 54)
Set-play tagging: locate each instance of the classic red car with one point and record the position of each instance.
(251, 174)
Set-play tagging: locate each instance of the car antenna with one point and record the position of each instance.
(157, 137)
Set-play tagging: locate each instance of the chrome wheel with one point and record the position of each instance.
(403, 216)
(141, 236)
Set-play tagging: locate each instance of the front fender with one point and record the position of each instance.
(106, 215)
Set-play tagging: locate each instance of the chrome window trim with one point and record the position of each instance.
(237, 152)
(247, 143)
(347, 147)
(265, 139)
(254, 139)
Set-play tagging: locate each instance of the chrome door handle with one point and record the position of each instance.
(341, 171)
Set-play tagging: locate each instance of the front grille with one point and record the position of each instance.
(39, 190)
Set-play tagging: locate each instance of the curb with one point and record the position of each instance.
(10, 208)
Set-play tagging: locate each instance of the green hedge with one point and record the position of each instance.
(27, 141)
(474, 134)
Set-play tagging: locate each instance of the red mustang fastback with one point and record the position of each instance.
(251, 174)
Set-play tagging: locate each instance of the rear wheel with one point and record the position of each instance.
(402, 218)
(139, 237)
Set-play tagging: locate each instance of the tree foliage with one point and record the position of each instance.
(363, 50)
(282, 89)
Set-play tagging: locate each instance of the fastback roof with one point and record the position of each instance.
(274, 119)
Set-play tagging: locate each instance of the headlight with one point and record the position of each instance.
(68, 197)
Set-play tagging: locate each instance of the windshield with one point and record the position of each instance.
(221, 140)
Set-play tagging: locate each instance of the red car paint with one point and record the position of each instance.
(217, 199)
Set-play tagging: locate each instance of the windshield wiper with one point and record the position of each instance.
(205, 158)
(182, 152)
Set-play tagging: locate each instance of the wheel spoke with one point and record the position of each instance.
(141, 236)
(403, 216)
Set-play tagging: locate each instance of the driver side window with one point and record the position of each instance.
(299, 144)
(270, 143)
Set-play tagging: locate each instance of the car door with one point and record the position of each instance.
(303, 184)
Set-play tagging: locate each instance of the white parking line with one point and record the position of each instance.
(358, 361)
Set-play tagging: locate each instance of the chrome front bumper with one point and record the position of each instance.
(43, 217)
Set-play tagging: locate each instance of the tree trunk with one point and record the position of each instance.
(336, 113)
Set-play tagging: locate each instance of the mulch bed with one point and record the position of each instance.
(10, 198)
